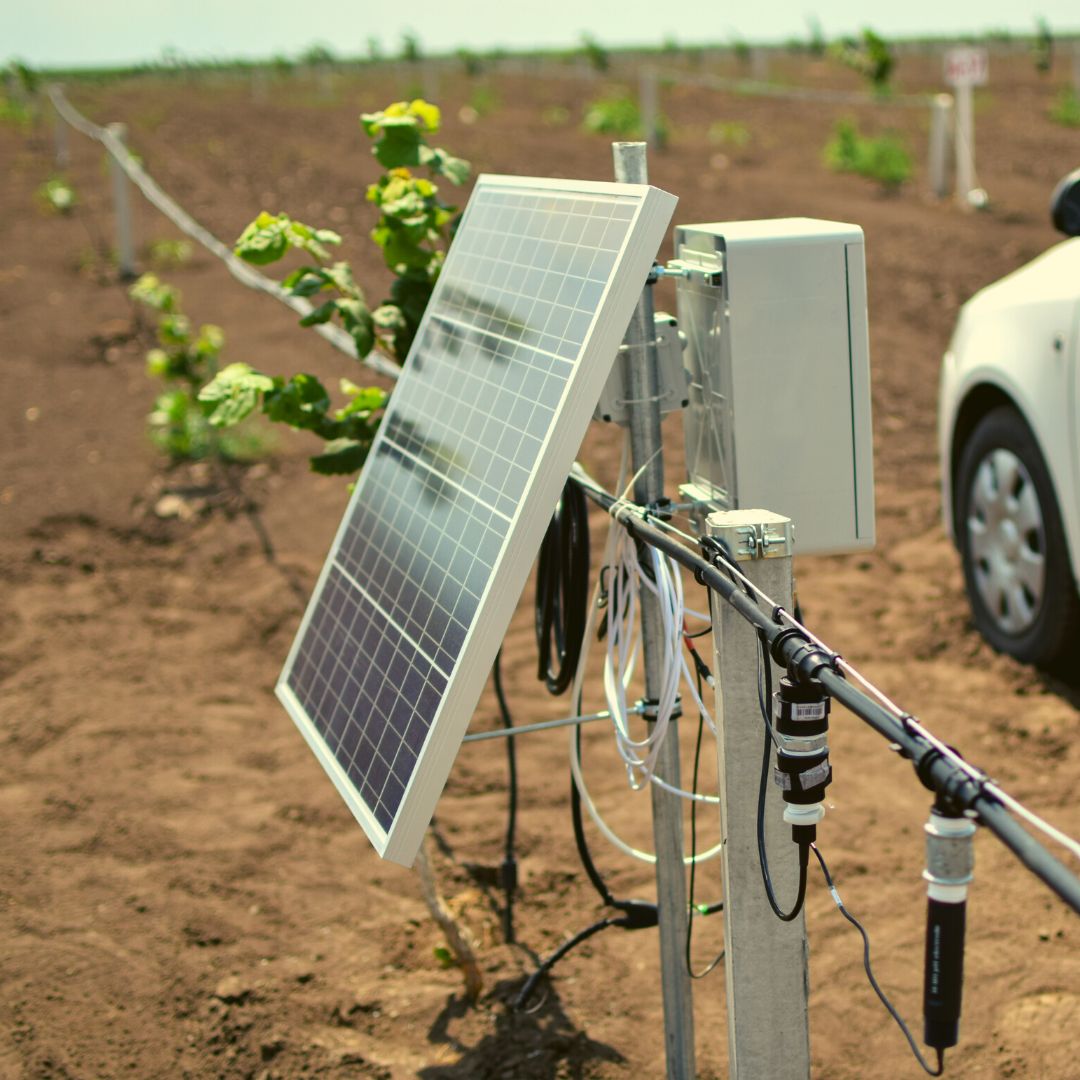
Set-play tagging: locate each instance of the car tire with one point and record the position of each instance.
(1017, 570)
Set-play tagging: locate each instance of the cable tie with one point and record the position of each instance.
(658, 508)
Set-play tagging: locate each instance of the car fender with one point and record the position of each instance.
(1031, 361)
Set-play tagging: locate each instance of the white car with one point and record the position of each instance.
(1009, 434)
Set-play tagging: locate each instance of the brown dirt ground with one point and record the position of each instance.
(164, 829)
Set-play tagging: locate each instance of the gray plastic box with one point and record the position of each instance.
(779, 369)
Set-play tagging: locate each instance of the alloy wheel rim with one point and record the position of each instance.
(1006, 537)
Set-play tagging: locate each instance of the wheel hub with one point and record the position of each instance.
(1006, 541)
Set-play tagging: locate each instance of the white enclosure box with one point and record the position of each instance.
(779, 419)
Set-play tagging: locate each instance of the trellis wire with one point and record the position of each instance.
(239, 269)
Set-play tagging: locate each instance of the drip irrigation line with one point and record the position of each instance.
(236, 266)
(940, 768)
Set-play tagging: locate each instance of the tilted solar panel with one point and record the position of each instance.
(450, 508)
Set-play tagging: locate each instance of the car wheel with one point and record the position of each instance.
(1017, 572)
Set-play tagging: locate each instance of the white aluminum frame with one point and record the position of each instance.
(402, 841)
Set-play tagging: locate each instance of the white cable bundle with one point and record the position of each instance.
(624, 645)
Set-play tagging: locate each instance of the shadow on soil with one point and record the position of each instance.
(541, 1044)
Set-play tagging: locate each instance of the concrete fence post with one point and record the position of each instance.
(941, 124)
(125, 244)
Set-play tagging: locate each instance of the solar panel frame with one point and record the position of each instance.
(400, 839)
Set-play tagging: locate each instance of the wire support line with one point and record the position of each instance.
(239, 269)
(758, 88)
(939, 767)
(542, 725)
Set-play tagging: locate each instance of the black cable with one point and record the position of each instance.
(764, 697)
(508, 870)
(870, 974)
(632, 914)
(546, 965)
(693, 849)
(562, 590)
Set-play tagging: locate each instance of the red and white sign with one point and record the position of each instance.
(967, 67)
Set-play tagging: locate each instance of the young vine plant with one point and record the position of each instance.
(413, 231)
(183, 360)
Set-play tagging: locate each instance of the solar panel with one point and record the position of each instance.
(449, 510)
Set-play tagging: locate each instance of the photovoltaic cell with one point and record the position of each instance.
(450, 507)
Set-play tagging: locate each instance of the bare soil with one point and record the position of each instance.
(182, 893)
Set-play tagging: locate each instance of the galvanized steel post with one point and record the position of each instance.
(642, 383)
(765, 961)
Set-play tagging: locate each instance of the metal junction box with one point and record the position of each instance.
(774, 313)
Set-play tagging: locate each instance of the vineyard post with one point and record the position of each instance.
(941, 121)
(765, 964)
(60, 135)
(965, 144)
(650, 116)
(429, 75)
(258, 85)
(642, 381)
(759, 64)
(125, 246)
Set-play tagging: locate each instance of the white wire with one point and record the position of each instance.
(614, 532)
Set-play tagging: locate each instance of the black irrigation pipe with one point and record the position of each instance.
(805, 659)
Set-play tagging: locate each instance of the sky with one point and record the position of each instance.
(78, 33)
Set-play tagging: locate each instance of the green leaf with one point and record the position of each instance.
(306, 281)
(341, 275)
(455, 169)
(174, 329)
(233, 394)
(342, 457)
(268, 238)
(363, 400)
(264, 241)
(388, 317)
(154, 293)
(398, 146)
(323, 313)
(302, 402)
(357, 320)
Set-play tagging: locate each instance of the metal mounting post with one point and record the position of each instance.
(125, 247)
(765, 959)
(643, 392)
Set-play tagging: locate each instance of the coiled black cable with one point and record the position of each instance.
(764, 697)
(562, 590)
(508, 871)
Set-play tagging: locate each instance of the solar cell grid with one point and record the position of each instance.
(418, 571)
